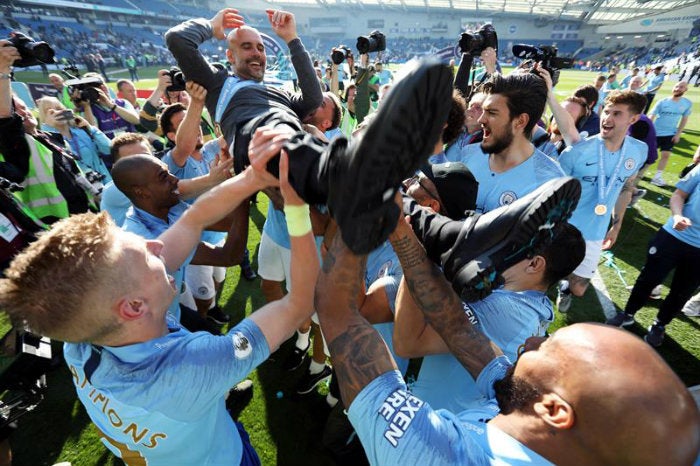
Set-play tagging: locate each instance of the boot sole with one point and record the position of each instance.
(535, 228)
(396, 143)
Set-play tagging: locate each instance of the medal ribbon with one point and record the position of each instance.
(603, 193)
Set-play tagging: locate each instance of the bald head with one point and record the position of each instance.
(246, 53)
(626, 404)
(130, 173)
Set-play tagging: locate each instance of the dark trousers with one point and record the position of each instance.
(438, 233)
(666, 253)
(650, 99)
(307, 155)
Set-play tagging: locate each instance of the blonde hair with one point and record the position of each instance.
(46, 103)
(63, 283)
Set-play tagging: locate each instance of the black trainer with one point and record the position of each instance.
(295, 359)
(488, 244)
(309, 381)
(364, 175)
(216, 315)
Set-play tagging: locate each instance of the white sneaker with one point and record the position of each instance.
(658, 181)
(692, 307)
(656, 292)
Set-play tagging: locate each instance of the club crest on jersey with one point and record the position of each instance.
(507, 197)
(629, 164)
(241, 345)
(384, 269)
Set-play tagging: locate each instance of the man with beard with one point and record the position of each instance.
(670, 116)
(506, 164)
(607, 165)
(566, 401)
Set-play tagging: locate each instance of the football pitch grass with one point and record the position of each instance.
(287, 429)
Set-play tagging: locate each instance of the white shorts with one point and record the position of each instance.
(274, 261)
(589, 264)
(201, 280)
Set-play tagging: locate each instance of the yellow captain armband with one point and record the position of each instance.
(298, 219)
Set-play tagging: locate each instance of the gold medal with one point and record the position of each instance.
(600, 209)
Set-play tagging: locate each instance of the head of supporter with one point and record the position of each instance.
(246, 53)
(170, 120)
(51, 112)
(127, 144)
(513, 106)
(445, 188)
(147, 183)
(173, 97)
(474, 111)
(57, 81)
(621, 109)
(577, 108)
(29, 123)
(128, 91)
(679, 89)
(636, 83)
(328, 115)
(577, 384)
(589, 94)
(599, 81)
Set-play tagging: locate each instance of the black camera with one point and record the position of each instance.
(25, 358)
(30, 51)
(177, 80)
(10, 186)
(374, 42)
(474, 43)
(88, 88)
(547, 54)
(94, 177)
(340, 53)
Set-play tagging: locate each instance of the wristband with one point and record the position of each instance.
(298, 219)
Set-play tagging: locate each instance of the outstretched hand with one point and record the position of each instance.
(228, 18)
(283, 23)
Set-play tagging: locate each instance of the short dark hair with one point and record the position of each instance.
(589, 93)
(124, 139)
(564, 254)
(456, 118)
(166, 117)
(121, 82)
(524, 93)
(634, 101)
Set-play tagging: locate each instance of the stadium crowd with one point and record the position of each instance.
(441, 219)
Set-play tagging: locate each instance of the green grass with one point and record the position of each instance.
(287, 429)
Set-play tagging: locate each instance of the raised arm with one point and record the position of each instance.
(279, 319)
(565, 122)
(413, 337)
(440, 305)
(184, 40)
(212, 206)
(188, 132)
(311, 97)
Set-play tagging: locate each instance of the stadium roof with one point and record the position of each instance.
(588, 11)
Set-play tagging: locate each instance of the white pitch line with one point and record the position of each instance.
(603, 296)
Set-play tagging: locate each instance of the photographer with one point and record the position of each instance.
(54, 186)
(113, 117)
(164, 95)
(84, 140)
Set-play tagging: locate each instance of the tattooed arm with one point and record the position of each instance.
(358, 352)
(439, 303)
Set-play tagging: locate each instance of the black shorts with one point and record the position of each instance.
(664, 142)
